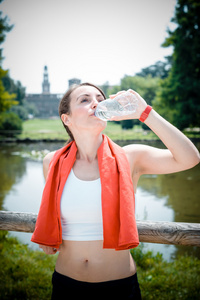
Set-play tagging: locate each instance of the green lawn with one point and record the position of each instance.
(53, 129)
(43, 129)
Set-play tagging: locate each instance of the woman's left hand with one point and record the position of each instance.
(136, 115)
(49, 250)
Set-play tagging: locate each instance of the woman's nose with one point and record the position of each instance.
(94, 103)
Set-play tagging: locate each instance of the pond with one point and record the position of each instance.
(173, 197)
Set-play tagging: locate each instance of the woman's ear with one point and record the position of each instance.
(65, 119)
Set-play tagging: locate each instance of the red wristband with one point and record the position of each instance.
(145, 113)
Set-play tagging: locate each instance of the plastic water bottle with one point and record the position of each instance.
(122, 105)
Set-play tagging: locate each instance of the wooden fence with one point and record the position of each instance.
(171, 233)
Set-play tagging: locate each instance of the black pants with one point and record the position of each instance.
(66, 288)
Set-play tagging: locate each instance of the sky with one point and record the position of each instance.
(95, 41)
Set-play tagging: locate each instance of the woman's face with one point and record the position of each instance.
(84, 101)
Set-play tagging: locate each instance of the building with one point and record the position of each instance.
(45, 84)
(46, 103)
(74, 81)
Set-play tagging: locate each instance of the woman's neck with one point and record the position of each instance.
(87, 146)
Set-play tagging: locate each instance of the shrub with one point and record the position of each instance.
(127, 124)
(26, 274)
(163, 280)
(20, 111)
(10, 124)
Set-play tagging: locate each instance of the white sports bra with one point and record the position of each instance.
(81, 211)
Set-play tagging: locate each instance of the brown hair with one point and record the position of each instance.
(64, 106)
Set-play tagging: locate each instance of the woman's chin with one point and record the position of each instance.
(100, 125)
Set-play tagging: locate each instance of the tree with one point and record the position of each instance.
(10, 124)
(160, 69)
(105, 89)
(4, 28)
(14, 88)
(8, 120)
(6, 100)
(178, 98)
(145, 86)
(22, 109)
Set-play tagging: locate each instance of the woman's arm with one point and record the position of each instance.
(46, 162)
(181, 154)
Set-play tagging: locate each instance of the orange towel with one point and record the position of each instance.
(118, 202)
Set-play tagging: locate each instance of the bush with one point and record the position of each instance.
(163, 280)
(10, 124)
(20, 111)
(127, 124)
(26, 274)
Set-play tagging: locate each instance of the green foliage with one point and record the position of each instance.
(173, 87)
(159, 279)
(26, 274)
(179, 95)
(115, 89)
(4, 28)
(13, 90)
(127, 124)
(105, 88)
(160, 69)
(30, 108)
(6, 100)
(11, 93)
(20, 111)
(9, 123)
(145, 86)
(13, 87)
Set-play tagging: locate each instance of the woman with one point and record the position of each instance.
(87, 264)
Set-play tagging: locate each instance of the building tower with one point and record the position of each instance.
(45, 84)
(74, 81)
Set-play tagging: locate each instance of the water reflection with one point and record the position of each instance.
(20, 178)
(173, 197)
(11, 170)
(181, 191)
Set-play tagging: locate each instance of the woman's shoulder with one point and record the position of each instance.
(48, 157)
(46, 161)
(133, 149)
(134, 153)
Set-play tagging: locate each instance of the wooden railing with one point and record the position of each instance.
(172, 233)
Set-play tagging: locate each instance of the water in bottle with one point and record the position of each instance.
(122, 105)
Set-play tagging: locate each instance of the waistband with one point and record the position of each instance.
(65, 279)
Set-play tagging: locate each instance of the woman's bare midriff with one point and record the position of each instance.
(88, 261)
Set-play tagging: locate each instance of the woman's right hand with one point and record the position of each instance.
(48, 250)
(141, 105)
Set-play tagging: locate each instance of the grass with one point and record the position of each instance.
(53, 129)
(43, 129)
(26, 274)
